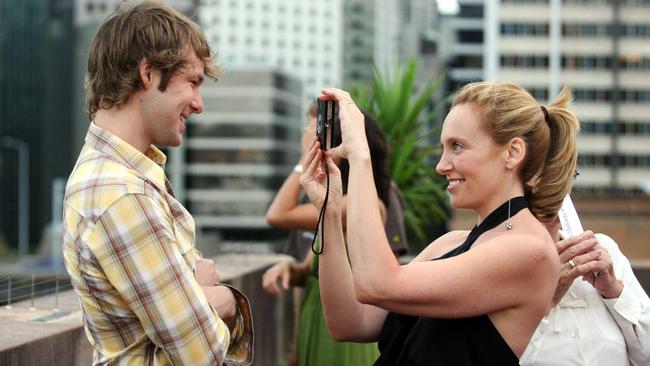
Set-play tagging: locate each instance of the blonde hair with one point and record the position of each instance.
(548, 132)
(148, 30)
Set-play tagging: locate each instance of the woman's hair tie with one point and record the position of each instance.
(546, 116)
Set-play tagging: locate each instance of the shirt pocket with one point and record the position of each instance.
(185, 243)
(184, 230)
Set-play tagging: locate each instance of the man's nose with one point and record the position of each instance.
(197, 104)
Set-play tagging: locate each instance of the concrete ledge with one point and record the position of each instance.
(44, 337)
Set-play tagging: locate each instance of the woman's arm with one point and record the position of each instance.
(286, 274)
(285, 211)
(347, 318)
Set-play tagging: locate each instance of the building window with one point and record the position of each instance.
(470, 36)
(592, 95)
(525, 61)
(541, 94)
(596, 127)
(524, 29)
(586, 30)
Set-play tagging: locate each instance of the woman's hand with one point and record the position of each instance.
(308, 134)
(578, 256)
(353, 132)
(279, 272)
(602, 278)
(314, 179)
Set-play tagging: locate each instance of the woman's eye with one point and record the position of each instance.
(456, 147)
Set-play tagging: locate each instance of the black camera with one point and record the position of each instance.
(326, 122)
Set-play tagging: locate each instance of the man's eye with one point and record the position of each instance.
(456, 146)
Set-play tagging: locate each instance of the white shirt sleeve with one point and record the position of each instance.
(631, 310)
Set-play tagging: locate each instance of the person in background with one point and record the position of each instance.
(314, 344)
(466, 299)
(146, 295)
(600, 314)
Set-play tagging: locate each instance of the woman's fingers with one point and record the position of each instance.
(336, 94)
(313, 159)
(269, 283)
(578, 248)
(566, 243)
(584, 263)
(334, 170)
(285, 280)
(570, 247)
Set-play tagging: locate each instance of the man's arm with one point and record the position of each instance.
(631, 310)
(135, 245)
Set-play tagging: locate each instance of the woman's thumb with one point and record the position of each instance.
(332, 166)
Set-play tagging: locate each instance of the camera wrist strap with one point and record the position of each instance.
(321, 219)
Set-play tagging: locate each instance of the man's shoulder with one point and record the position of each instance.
(98, 181)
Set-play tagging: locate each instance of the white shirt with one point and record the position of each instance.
(586, 329)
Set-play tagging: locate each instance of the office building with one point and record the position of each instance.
(303, 38)
(333, 43)
(599, 48)
(602, 50)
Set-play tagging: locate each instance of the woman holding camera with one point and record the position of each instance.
(471, 297)
(315, 346)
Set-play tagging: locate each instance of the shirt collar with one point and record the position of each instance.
(150, 165)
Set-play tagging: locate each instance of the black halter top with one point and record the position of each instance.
(418, 341)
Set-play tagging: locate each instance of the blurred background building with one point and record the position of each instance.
(36, 49)
(600, 48)
(308, 45)
(298, 37)
(236, 155)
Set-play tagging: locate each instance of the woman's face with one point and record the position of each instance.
(472, 163)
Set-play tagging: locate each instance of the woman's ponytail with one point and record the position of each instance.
(555, 178)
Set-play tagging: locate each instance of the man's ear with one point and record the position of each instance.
(146, 73)
(516, 152)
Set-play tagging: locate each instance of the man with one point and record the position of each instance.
(603, 319)
(146, 295)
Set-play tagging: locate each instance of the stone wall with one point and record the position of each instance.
(41, 336)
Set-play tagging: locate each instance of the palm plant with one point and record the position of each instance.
(409, 121)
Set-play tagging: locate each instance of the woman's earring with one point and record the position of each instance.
(508, 222)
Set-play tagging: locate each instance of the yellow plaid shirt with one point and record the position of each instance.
(129, 249)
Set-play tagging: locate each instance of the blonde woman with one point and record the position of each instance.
(470, 297)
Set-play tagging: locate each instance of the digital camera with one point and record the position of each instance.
(326, 122)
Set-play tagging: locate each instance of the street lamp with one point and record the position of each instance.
(23, 191)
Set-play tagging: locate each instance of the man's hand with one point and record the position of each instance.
(223, 301)
(206, 274)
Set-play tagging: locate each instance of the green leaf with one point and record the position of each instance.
(408, 118)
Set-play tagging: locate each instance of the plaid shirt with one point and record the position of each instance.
(129, 249)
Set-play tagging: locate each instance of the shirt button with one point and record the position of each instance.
(574, 335)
